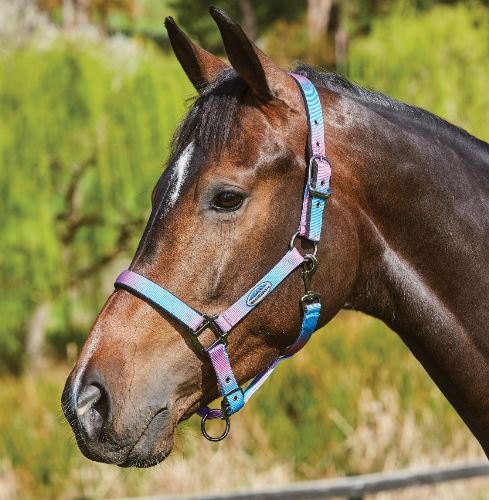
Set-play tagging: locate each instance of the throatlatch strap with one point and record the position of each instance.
(317, 188)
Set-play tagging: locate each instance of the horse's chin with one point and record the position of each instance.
(149, 447)
(153, 445)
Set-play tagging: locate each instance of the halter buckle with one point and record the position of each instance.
(313, 191)
(210, 323)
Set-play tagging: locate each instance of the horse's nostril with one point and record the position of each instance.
(87, 399)
(92, 409)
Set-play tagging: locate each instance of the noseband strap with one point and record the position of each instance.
(316, 192)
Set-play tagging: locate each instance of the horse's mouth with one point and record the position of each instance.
(142, 453)
(150, 447)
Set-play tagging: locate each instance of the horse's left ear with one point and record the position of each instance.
(266, 79)
(201, 66)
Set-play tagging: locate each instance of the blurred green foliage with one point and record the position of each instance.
(438, 60)
(83, 134)
(194, 17)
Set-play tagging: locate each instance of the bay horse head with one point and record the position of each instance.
(223, 214)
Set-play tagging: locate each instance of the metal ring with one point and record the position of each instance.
(212, 438)
(297, 235)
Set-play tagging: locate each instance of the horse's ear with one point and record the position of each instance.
(265, 78)
(201, 66)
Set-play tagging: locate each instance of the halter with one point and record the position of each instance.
(316, 192)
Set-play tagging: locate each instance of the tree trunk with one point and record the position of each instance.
(248, 18)
(318, 12)
(36, 332)
(341, 48)
(82, 12)
(69, 15)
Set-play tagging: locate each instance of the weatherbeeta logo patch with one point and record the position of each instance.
(258, 293)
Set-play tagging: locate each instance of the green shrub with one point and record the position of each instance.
(83, 133)
(438, 60)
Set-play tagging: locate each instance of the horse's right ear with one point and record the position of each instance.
(201, 66)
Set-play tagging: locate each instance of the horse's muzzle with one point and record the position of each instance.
(88, 407)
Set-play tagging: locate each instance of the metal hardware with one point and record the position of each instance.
(308, 269)
(309, 298)
(297, 235)
(312, 189)
(210, 323)
(214, 439)
(225, 404)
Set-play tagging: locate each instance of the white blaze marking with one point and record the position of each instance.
(180, 173)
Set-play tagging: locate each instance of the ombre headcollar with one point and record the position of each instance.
(316, 192)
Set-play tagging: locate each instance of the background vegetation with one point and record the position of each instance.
(86, 117)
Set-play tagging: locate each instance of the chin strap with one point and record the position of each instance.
(316, 192)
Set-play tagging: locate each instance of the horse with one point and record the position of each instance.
(406, 240)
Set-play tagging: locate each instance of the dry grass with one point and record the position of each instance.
(363, 425)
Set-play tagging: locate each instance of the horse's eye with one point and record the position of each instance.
(227, 201)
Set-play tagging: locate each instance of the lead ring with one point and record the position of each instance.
(212, 438)
(296, 235)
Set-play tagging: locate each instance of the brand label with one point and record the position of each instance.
(258, 293)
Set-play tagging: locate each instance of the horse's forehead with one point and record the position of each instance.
(262, 134)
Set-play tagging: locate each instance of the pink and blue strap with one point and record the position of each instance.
(308, 327)
(317, 189)
(160, 297)
(231, 316)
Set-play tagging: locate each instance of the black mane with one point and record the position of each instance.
(214, 116)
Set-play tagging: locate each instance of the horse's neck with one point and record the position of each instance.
(423, 227)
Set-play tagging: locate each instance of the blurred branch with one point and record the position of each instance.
(73, 186)
(35, 337)
(74, 225)
(72, 221)
(125, 232)
(318, 12)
